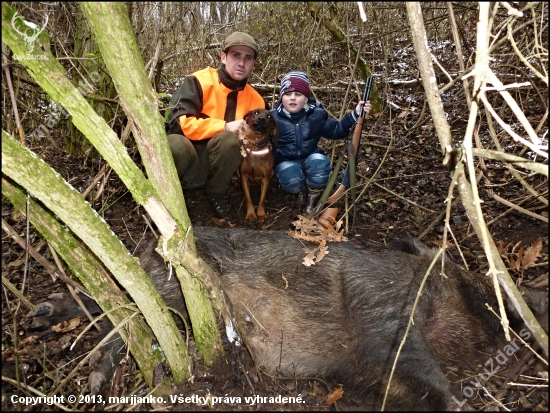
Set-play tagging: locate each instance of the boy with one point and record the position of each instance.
(300, 164)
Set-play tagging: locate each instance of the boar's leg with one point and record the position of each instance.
(418, 376)
(59, 307)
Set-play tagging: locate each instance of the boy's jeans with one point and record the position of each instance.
(314, 171)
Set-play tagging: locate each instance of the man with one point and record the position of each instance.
(206, 113)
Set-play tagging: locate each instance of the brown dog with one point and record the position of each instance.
(257, 163)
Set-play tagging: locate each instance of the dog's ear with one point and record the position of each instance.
(247, 115)
(274, 128)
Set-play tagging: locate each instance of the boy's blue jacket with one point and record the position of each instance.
(299, 140)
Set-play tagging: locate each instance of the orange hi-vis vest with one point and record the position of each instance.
(211, 117)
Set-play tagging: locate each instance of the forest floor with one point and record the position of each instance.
(405, 198)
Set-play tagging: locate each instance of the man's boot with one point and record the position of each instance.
(220, 205)
(312, 198)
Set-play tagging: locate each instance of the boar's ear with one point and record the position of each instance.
(274, 134)
(411, 246)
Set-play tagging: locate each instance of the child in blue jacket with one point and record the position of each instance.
(300, 164)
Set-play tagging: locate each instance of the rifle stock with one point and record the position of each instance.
(336, 194)
(356, 137)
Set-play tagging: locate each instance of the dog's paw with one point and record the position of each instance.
(251, 216)
(261, 214)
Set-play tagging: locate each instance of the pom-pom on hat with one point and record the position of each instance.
(295, 82)
(241, 39)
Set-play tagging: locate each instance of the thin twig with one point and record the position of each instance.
(17, 293)
(403, 198)
(250, 312)
(14, 103)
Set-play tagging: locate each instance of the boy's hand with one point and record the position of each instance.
(367, 107)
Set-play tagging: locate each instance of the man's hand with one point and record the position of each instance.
(235, 126)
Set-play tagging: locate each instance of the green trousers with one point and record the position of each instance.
(211, 162)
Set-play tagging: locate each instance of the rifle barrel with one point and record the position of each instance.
(366, 93)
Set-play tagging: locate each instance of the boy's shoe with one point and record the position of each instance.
(301, 200)
(312, 198)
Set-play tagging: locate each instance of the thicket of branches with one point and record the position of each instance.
(178, 38)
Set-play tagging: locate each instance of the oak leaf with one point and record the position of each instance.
(67, 325)
(318, 233)
(335, 395)
(309, 259)
(532, 254)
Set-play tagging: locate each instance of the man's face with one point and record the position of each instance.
(239, 62)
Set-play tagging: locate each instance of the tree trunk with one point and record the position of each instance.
(90, 77)
(49, 75)
(52, 190)
(94, 277)
(57, 195)
(113, 33)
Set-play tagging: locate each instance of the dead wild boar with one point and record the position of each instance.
(344, 317)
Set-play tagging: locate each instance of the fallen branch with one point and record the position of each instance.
(516, 207)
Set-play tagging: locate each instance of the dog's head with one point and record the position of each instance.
(262, 121)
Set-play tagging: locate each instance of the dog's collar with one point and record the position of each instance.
(261, 152)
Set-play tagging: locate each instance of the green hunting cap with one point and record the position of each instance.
(241, 39)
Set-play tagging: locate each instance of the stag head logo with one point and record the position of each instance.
(28, 31)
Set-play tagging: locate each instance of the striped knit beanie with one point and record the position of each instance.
(295, 82)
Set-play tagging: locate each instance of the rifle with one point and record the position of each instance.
(348, 175)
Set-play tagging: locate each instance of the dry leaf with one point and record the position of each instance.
(321, 251)
(317, 233)
(67, 325)
(328, 223)
(309, 259)
(27, 341)
(532, 254)
(335, 395)
(520, 258)
(285, 280)
(439, 243)
(247, 137)
(220, 222)
(502, 246)
(404, 113)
